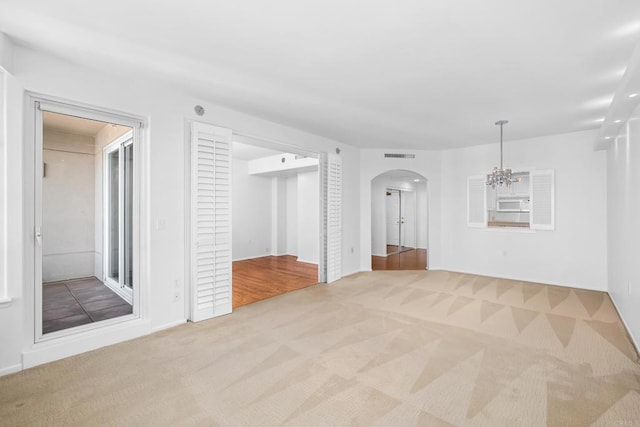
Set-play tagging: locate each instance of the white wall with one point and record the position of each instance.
(426, 164)
(104, 137)
(166, 110)
(279, 239)
(6, 53)
(292, 215)
(623, 202)
(251, 206)
(18, 312)
(68, 204)
(3, 146)
(422, 224)
(573, 254)
(308, 217)
(274, 165)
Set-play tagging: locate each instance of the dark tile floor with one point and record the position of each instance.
(77, 302)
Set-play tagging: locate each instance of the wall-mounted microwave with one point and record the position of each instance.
(514, 205)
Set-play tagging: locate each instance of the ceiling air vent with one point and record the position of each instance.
(400, 156)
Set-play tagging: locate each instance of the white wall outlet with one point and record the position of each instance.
(177, 285)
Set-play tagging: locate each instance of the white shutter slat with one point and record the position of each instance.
(542, 199)
(476, 201)
(334, 218)
(211, 279)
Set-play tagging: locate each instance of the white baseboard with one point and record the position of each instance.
(168, 325)
(633, 339)
(262, 256)
(307, 262)
(248, 257)
(520, 279)
(10, 370)
(70, 345)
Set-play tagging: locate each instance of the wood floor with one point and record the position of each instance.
(392, 249)
(260, 278)
(413, 259)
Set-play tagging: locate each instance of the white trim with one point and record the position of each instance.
(125, 292)
(86, 328)
(633, 339)
(306, 262)
(62, 107)
(274, 145)
(10, 369)
(38, 159)
(77, 343)
(92, 335)
(519, 279)
(168, 325)
(5, 300)
(256, 257)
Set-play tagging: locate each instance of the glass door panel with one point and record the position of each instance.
(119, 208)
(113, 215)
(128, 215)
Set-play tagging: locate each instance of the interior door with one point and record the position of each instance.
(394, 218)
(211, 265)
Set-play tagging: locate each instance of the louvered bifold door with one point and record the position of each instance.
(542, 200)
(334, 217)
(476, 201)
(210, 221)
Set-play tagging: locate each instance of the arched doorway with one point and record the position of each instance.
(399, 221)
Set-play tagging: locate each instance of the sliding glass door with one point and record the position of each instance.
(118, 224)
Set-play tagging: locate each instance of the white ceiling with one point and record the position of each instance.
(71, 124)
(382, 73)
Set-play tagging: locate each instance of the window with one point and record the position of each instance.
(527, 203)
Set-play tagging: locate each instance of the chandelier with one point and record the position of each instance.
(500, 176)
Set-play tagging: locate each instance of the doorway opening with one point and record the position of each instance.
(211, 226)
(86, 211)
(399, 221)
(275, 220)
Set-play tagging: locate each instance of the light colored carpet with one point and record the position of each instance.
(381, 348)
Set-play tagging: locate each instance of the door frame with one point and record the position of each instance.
(428, 237)
(260, 142)
(35, 104)
(118, 144)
